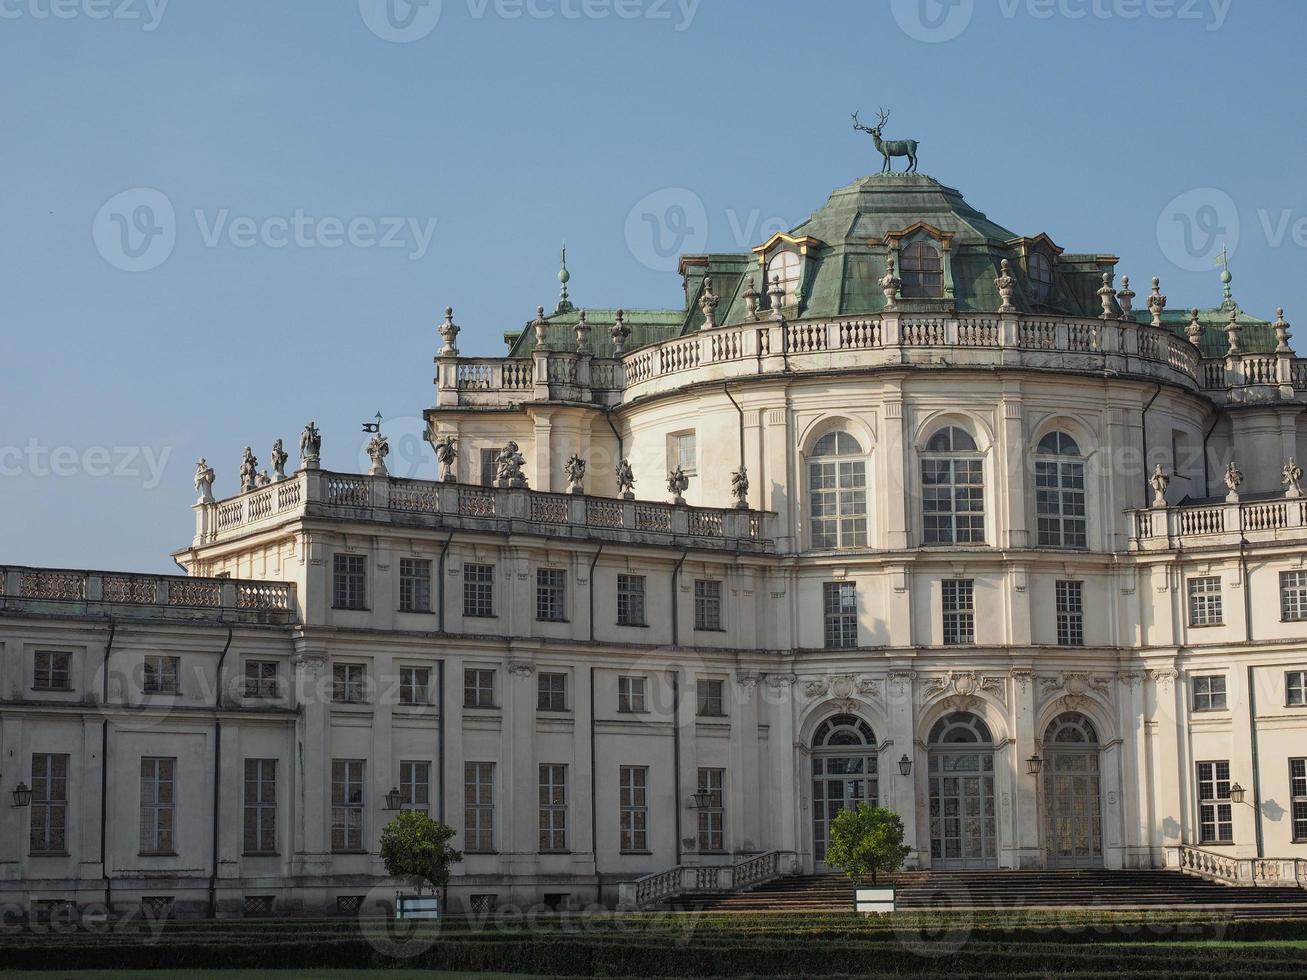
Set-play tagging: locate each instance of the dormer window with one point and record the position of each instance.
(785, 266)
(1039, 270)
(921, 271)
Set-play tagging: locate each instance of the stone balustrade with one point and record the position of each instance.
(1247, 872)
(447, 505)
(652, 889)
(1219, 524)
(71, 591)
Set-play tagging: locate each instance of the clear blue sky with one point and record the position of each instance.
(514, 125)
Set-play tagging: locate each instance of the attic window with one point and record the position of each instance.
(1039, 269)
(785, 265)
(921, 272)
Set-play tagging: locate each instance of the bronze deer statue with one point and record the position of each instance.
(889, 148)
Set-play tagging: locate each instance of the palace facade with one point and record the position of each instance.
(954, 523)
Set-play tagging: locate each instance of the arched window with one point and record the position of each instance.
(921, 272)
(1071, 728)
(843, 730)
(960, 728)
(837, 489)
(1039, 270)
(785, 265)
(952, 489)
(1060, 492)
(845, 773)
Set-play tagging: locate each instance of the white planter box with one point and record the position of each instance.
(417, 906)
(875, 898)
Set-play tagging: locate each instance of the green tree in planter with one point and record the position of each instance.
(415, 846)
(866, 840)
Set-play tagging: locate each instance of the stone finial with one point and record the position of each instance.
(1233, 479)
(449, 334)
(1004, 283)
(889, 284)
(249, 471)
(621, 333)
(1125, 299)
(740, 488)
(677, 484)
(508, 467)
(1106, 296)
(708, 303)
(1233, 333)
(279, 458)
(583, 334)
(564, 277)
(750, 299)
(575, 470)
(447, 455)
(1156, 302)
(1281, 327)
(1194, 329)
(777, 296)
(625, 480)
(204, 482)
(1291, 477)
(310, 446)
(378, 450)
(541, 327)
(1159, 481)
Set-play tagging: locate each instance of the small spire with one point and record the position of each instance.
(564, 277)
(1227, 297)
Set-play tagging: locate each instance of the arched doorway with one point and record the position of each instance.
(1073, 825)
(963, 828)
(845, 773)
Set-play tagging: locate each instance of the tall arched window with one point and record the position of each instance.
(837, 489)
(1039, 270)
(963, 823)
(845, 773)
(1060, 492)
(921, 272)
(952, 489)
(785, 266)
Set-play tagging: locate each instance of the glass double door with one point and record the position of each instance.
(963, 826)
(1073, 831)
(839, 782)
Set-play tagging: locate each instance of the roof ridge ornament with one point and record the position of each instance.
(564, 277)
(1223, 260)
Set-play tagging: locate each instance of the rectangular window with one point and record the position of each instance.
(52, 670)
(260, 678)
(414, 685)
(1060, 503)
(707, 604)
(347, 683)
(959, 611)
(260, 806)
(349, 582)
(1295, 688)
(1205, 601)
(415, 786)
(478, 688)
(414, 585)
(711, 804)
(551, 595)
(1070, 614)
(682, 451)
(1209, 692)
(551, 692)
(347, 804)
(478, 806)
(952, 501)
(478, 590)
(631, 694)
(840, 605)
(630, 600)
(158, 805)
(553, 808)
(1293, 596)
(161, 675)
(1298, 798)
(49, 833)
(489, 460)
(633, 801)
(711, 702)
(1215, 811)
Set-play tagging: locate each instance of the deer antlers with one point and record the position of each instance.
(884, 117)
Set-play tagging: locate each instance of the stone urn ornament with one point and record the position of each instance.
(1106, 296)
(889, 285)
(708, 304)
(1005, 284)
(449, 331)
(1125, 299)
(620, 333)
(750, 299)
(1156, 302)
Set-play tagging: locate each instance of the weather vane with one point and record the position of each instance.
(373, 426)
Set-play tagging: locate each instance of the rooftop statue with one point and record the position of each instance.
(310, 446)
(508, 467)
(889, 148)
(279, 458)
(575, 470)
(625, 480)
(249, 471)
(204, 481)
(447, 454)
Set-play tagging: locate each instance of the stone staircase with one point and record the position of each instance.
(1001, 890)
